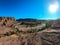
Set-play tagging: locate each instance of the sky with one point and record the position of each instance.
(37, 9)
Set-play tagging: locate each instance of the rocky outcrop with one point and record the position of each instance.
(50, 37)
(7, 21)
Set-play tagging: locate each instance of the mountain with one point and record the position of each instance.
(30, 20)
(27, 19)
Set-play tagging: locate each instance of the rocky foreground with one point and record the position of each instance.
(30, 32)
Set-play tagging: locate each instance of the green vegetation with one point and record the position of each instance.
(43, 26)
(29, 24)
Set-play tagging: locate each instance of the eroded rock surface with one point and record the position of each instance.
(50, 37)
(10, 40)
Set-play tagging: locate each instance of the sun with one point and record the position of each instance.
(53, 7)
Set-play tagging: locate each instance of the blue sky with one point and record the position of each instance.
(27, 9)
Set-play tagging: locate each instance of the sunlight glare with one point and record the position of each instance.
(53, 7)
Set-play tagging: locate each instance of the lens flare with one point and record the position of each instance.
(53, 8)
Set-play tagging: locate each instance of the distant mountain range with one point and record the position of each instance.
(30, 20)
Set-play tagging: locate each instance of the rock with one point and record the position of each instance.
(8, 21)
(30, 39)
(5, 29)
(9, 40)
(50, 37)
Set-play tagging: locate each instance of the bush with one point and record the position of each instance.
(48, 25)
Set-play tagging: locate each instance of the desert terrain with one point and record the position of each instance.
(29, 31)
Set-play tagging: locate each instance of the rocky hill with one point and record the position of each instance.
(28, 32)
